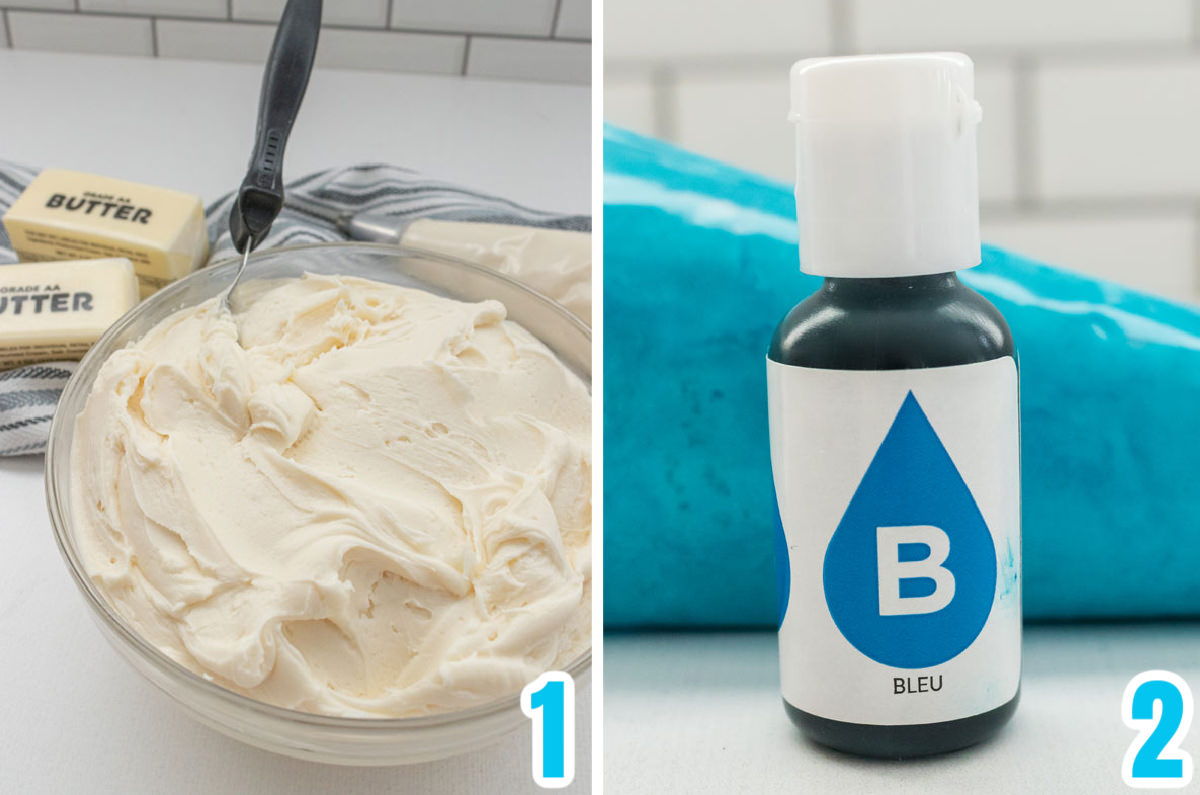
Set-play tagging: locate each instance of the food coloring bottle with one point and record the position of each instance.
(894, 422)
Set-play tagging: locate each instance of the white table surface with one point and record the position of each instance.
(73, 717)
(686, 713)
(190, 126)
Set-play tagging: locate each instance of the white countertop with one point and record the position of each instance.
(74, 717)
(686, 713)
(190, 125)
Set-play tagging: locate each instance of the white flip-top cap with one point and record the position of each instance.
(886, 177)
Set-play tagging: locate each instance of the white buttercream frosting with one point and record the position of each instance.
(376, 502)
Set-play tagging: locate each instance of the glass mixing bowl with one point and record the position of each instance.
(351, 741)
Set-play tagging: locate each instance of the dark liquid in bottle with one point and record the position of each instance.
(894, 324)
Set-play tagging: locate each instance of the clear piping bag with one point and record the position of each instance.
(555, 262)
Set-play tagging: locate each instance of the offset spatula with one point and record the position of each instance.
(289, 65)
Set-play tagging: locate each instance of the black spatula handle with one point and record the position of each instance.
(260, 198)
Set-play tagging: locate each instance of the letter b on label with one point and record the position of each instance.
(892, 570)
(910, 572)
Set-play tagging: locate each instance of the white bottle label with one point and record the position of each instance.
(899, 503)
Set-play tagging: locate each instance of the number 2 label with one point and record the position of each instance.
(1159, 705)
(549, 701)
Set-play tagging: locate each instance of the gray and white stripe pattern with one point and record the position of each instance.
(383, 190)
(13, 179)
(27, 399)
(28, 395)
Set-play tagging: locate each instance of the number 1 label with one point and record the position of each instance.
(549, 701)
(1159, 705)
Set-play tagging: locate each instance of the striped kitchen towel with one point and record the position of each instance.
(27, 399)
(28, 395)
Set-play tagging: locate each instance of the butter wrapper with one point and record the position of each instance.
(57, 310)
(66, 215)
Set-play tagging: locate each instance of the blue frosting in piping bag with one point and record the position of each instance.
(700, 264)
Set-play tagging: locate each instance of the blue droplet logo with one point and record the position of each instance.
(783, 568)
(910, 572)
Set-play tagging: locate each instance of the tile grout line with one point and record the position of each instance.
(1098, 208)
(664, 92)
(154, 36)
(7, 30)
(229, 10)
(267, 23)
(1117, 54)
(1196, 248)
(1025, 133)
(389, 11)
(466, 55)
(554, 18)
(841, 20)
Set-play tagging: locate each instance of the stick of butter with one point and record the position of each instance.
(65, 215)
(56, 310)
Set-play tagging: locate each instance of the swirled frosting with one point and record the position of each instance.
(377, 502)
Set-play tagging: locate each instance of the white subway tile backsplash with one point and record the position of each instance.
(629, 103)
(1118, 128)
(995, 88)
(62, 5)
(35, 30)
(673, 29)
(427, 53)
(543, 40)
(523, 59)
(183, 8)
(1153, 253)
(739, 116)
(761, 140)
(574, 19)
(366, 13)
(889, 25)
(513, 17)
(214, 41)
